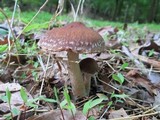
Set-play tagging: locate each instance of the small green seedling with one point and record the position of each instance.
(118, 77)
(3, 48)
(31, 102)
(8, 96)
(123, 66)
(67, 104)
(24, 95)
(92, 103)
(151, 53)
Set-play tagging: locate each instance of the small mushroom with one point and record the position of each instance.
(89, 68)
(75, 38)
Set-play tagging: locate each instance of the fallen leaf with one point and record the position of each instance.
(11, 86)
(138, 80)
(57, 115)
(117, 114)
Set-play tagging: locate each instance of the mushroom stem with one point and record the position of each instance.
(75, 74)
(87, 82)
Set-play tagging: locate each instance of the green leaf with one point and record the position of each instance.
(124, 66)
(91, 118)
(96, 102)
(8, 94)
(35, 26)
(151, 52)
(119, 96)
(31, 104)
(36, 64)
(73, 108)
(47, 99)
(91, 103)
(67, 97)
(34, 100)
(119, 78)
(104, 97)
(23, 95)
(7, 116)
(3, 48)
(86, 107)
(56, 94)
(3, 98)
(70, 105)
(110, 103)
(63, 104)
(15, 111)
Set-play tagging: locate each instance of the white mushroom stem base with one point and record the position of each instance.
(78, 86)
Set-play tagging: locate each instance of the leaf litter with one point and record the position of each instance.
(137, 97)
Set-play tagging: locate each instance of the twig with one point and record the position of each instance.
(108, 84)
(33, 18)
(11, 32)
(105, 112)
(82, 4)
(75, 13)
(79, 4)
(12, 20)
(58, 11)
(8, 23)
(152, 62)
(151, 109)
(137, 116)
(45, 71)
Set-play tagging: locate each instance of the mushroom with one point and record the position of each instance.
(75, 38)
(89, 68)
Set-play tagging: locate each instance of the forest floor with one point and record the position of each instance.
(36, 86)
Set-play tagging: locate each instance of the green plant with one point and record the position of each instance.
(67, 104)
(8, 95)
(92, 103)
(124, 65)
(151, 53)
(27, 102)
(118, 77)
(119, 97)
(3, 48)
(57, 99)
(13, 111)
(23, 95)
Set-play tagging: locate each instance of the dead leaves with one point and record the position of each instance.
(58, 115)
(137, 47)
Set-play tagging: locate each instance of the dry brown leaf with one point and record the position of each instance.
(117, 114)
(56, 115)
(5, 41)
(107, 30)
(137, 79)
(11, 86)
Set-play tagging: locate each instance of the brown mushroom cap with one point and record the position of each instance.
(88, 65)
(74, 36)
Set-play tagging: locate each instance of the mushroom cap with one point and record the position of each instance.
(89, 65)
(74, 36)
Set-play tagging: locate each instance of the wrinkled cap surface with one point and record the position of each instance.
(74, 36)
